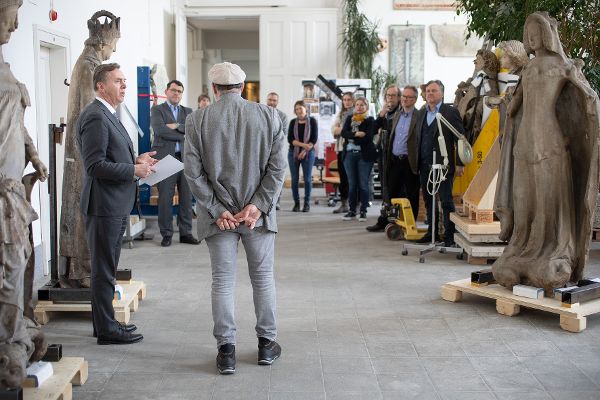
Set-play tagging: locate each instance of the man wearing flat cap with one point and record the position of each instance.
(235, 165)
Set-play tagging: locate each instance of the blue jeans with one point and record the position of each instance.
(307, 166)
(358, 172)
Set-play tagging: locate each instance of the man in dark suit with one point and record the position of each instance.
(427, 130)
(168, 124)
(400, 168)
(109, 188)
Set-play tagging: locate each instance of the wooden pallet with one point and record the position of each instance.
(572, 319)
(479, 253)
(480, 238)
(68, 371)
(133, 292)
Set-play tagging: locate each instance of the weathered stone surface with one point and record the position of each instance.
(20, 341)
(450, 41)
(549, 175)
(104, 33)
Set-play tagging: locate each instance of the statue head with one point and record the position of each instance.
(487, 61)
(541, 33)
(104, 34)
(9, 20)
(512, 55)
(13, 358)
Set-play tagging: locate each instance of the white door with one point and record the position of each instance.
(40, 199)
(181, 52)
(296, 44)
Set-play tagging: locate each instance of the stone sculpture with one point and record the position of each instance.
(549, 173)
(19, 335)
(74, 251)
(470, 94)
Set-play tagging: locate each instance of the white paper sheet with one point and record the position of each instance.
(163, 169)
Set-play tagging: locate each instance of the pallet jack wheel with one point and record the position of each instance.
(422, 260)
(394, 232)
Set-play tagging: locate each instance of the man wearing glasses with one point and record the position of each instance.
(399, 168)
(168, 124)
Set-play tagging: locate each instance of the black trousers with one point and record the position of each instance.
(401, 183)
(166, 190)
(104, 235)
(445, 196)
(343, 188)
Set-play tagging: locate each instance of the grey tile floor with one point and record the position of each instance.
(357, 320)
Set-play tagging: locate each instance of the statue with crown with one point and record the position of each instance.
(21, 339)
(104, 32)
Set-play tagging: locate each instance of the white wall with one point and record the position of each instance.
(450, 70)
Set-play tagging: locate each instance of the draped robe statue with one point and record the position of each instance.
(21, 339)
(74, 251)
(549, 174)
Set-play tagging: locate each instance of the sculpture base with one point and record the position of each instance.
(133, 291)
(67, 372)
(15, 394)
(572, 319)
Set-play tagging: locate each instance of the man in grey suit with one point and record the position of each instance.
(235, 165)
(273, 101)
(168, 124)
(111, 170)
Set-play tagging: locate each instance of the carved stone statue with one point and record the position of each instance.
(470, 94)
(549, 174)
(74, 251)
(18, 334)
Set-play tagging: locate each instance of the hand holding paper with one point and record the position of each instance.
(163, 169)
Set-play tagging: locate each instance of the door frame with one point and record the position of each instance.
(52, 39)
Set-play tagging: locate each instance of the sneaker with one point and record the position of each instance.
(226, 359)
(268, 351)
(363, 216)
(349, 216)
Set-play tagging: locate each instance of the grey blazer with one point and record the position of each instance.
(234, 156)
(164, 137)
(108, 159)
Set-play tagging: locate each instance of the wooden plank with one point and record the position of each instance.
(473, 228)
(68, 371)
(133, 292)
(480, 238)
(479, 249)
(546, 304)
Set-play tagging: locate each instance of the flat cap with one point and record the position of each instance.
(226, 73)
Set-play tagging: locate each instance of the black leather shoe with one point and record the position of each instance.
(166, 241)
(268, 351)
(450, 244)
(375, 228)
(306, 207)
(122, 337)
(226, 359)
(188, 239)
(125, 327)
(296, 207)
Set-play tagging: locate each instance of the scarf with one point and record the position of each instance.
(305, 138)
(357, 119)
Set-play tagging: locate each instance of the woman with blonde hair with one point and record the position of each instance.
(359, 156)
(345, 112)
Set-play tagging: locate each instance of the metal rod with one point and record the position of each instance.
(434, 178)
(53, 205)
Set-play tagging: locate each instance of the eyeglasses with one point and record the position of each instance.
(391, 95)
(408, 97)
(176, 91)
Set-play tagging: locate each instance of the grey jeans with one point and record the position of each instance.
(259, 246)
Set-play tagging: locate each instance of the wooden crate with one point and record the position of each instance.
(68, 371)
(133, 291)
(572, 319)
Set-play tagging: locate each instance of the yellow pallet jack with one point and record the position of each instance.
(404, 226)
